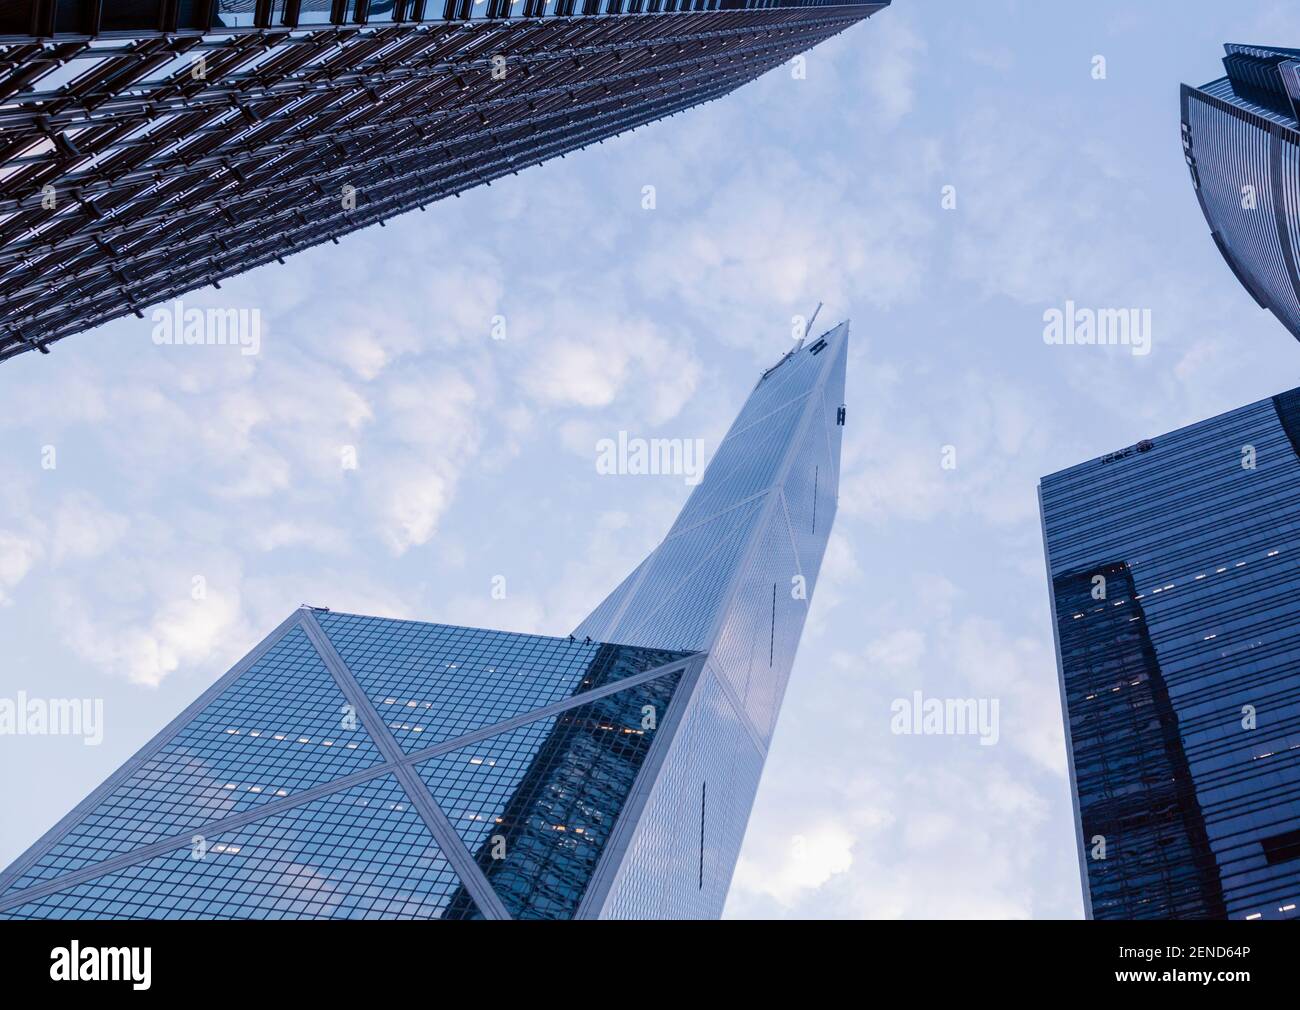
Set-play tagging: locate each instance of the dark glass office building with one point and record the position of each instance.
(363, 767)
(1175, 587)
(1242, 142)
(150, 147)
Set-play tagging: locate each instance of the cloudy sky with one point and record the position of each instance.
(476, 456)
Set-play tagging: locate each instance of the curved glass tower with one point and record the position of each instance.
(363, 767)
(1241, 139)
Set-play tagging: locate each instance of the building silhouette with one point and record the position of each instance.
(364, 767)
(1175, 593)
(1241, 138)
(1136, 798)
(151, 147)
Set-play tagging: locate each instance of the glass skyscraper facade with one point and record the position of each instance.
(151, 147)
(363, 767)
(1241, 138)
(1175, 596)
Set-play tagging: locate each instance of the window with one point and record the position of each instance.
(1282, 848)
(817, 470)
(771, 641)
(704, 795)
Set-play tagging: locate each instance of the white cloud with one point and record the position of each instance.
(270, 536)
(434, 416)
(178, 632)
(578, 373)
(17, 556)
(839, 571)
(596, 355)
(903, 647)
(796, 864)
(892, 66)
(83, 529)
(1021, 673)
(409, 499)
(966, 458)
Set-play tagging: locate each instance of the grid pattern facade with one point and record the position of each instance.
(1135, 790)
(434, 682)
(550, 796)
(1174, 592)
(733, 580)
(149, 148)
(359, 853)
(693, 826)
(1241, 139)
(355, 822)
(355, 767)
(278, 730)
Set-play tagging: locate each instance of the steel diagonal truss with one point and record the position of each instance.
(395, 762)
(136, 168)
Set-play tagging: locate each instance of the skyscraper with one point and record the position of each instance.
(1175, 598)
(1241, 138)
(151, 147)
(362, 767)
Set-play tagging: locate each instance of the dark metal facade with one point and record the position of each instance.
(150, 148)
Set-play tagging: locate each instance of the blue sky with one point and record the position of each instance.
(476, 457)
